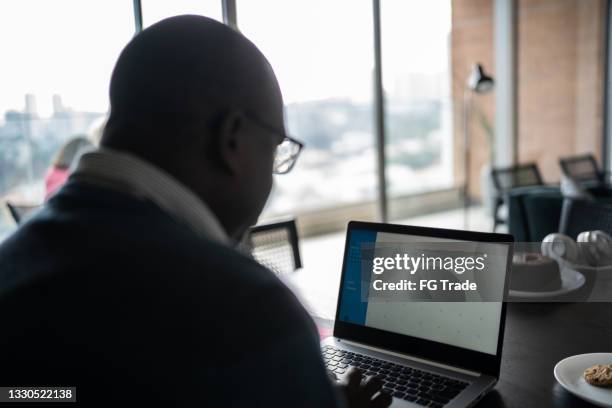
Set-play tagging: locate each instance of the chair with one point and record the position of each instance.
(533, 212)
(22, 212)
(275, 245)
(582, 168)
(507, 178)
(579, 215)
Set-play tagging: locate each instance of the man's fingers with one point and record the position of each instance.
(372, 385)
(382, 400)
(353, 377)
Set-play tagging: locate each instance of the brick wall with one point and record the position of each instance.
(471, 42)
(560, 79)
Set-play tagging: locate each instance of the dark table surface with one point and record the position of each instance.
(537, 336)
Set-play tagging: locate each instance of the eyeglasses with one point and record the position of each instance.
(287, 151)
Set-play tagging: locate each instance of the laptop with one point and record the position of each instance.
(429, 351)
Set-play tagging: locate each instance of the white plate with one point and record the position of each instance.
(569, 371)
(571, 280)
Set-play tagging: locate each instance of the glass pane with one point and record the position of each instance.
(155, 10)
(322, 53)
(416, 79)
(56, 66)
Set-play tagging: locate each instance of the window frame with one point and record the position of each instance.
(314, 221)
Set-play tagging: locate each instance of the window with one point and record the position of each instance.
(417, 82)
(56, 73)
(156, 10)
(322, 54)
(57, 61)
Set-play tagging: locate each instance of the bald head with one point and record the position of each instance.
(181, 74)
(183, 96)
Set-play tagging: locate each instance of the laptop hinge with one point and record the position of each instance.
(413, 358)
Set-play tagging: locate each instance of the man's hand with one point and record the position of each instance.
(364, 394)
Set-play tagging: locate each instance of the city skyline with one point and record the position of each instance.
(75, 56)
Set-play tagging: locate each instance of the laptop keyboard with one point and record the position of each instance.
(422, 387)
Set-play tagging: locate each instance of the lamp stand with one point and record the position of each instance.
(465, 193)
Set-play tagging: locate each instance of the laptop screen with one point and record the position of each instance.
(472, 322)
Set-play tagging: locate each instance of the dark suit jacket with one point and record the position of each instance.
(108, 293)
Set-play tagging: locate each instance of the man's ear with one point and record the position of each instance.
(230, 141)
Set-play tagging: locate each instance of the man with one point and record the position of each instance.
(126, 284)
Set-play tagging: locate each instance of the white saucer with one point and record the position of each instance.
(569, 373)
(571, 280)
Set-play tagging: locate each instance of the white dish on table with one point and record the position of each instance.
(569, 373)
(571, 280)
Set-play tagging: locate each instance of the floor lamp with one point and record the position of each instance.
(478, 83)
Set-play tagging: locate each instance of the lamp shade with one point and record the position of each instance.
(478, 81)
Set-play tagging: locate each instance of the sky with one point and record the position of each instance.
(321, 48)
(66, 47)
(318, 48)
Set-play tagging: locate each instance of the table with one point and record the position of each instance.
(538, 335)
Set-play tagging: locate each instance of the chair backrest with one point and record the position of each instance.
(534, 212)
(21, 212)
(275, 245)
(581, 168)
(522, 175)
(579, 215)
